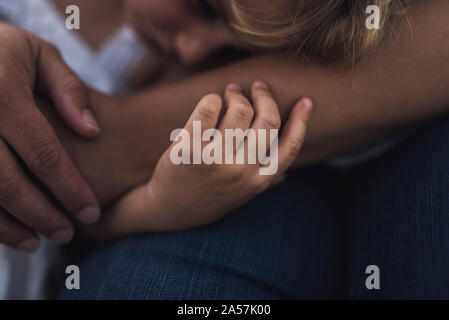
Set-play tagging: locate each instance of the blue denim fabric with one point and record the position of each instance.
(311, 237)
(398, 219)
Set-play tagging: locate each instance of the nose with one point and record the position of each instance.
(194, 45)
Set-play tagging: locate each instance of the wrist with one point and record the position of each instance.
(111, 163)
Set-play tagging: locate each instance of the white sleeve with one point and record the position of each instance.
(9, 10)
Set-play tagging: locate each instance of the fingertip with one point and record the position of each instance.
(261, 89)
(260, 85)
(77, 116)
(212, 102)
(90, 122)
(302, 110)
(234, 87)
(63, 236)
(89, 214)
(29, 245)
(305, 104)
(300, 113)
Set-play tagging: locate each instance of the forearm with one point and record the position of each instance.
(405, 81)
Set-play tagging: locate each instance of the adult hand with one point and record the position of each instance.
(29, 64)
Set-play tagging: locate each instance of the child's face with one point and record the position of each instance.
(191, 28)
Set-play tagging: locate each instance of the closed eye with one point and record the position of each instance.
(207, 8)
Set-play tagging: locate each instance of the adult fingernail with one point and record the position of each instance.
(62, 236)
(234, 87)
(28, 245)
(89, 120)
(260, 85)
(89, 214)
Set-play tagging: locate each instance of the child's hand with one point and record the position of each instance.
(185, 196)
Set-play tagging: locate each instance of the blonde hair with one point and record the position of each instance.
(333, 31)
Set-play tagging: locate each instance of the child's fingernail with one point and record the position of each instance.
(234, 87)
(306, 103)
(260, 85)
(89, 120)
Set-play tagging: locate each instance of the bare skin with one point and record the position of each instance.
(352, 109)
(402, 83)
(100, 18)
(29, 65)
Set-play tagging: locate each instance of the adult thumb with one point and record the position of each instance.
(67, 92)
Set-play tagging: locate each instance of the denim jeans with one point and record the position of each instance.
(310, 237)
